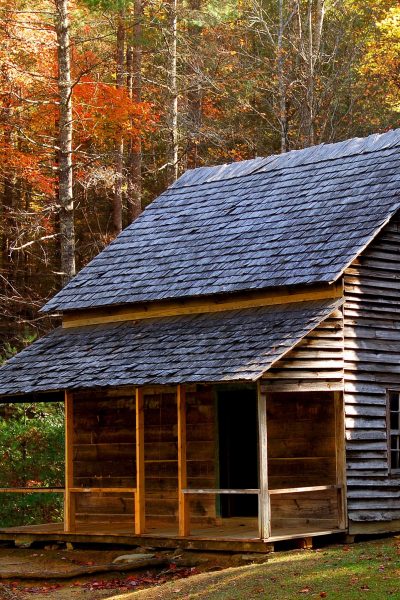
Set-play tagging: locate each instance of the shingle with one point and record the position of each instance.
(291, 219)
(229, 345)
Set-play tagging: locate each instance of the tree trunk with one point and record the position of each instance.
(65, 195)
(119, 149)
(314, 43)
(194, 95)
(310, 83)
(281, 81)
(8, 225)
(134, 85)
(174, 87)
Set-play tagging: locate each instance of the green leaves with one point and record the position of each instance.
(31, 455)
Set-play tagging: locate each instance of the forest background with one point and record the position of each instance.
(104, 103)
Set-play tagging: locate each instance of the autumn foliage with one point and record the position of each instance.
(253, 77)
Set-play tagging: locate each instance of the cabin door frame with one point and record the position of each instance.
(237, 454)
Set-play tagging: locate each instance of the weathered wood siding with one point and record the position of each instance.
(161, 452)
(105, 454)
(372, 364)
(302, 452)
(160, 455)
(315, 364)
(202, 450)
(301, 439)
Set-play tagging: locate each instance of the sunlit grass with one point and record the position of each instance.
(368, 570)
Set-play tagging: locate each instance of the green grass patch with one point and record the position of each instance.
(369, 570)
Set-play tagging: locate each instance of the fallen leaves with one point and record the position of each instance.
(36, 589)
(121, 584)
(134, 581)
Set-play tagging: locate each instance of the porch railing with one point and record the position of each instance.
(69, 498)
(274, 492)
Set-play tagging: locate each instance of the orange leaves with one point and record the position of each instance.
(210, 109)
(26, 165)
(103, 113)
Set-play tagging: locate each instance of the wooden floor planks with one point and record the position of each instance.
(235, 534)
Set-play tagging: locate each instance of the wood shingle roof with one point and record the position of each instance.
(291, 219)
(237, 345)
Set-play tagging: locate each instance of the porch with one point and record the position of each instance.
(199, 466)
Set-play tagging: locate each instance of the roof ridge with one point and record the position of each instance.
(294, 158)
(247, 233)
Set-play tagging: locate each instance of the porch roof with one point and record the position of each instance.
(237, 345)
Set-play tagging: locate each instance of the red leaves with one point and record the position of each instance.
(129, 583)
(134, 581)
(37, 589)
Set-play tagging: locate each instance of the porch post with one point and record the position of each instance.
(264, 505)
(69, 498)
(140, 490)
(182, 465)
(340, 459)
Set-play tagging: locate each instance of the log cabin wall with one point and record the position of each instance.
(372, 365)
(104, 455)
(202, 451)
(161, 453)
(160, 456)
(301, 439)
(302, 452)
(302, 430)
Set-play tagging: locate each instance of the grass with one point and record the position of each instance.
(369, 570)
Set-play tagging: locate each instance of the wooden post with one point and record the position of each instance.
(340, 444)
(69, 498)
(264, 504)
(182, 465)
(140, 490)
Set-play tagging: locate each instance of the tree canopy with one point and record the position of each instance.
(156, 88)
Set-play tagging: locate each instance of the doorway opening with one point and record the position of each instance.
(238, 451)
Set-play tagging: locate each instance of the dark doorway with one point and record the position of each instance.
(238, 451)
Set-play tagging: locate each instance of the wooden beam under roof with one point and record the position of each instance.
(217, 303)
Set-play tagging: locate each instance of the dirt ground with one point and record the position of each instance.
(335, 571)
(50, 573)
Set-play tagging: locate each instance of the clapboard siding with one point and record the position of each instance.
(105, 453)
(372, 365)
(315, 364)
(161, 452)
(295, 456)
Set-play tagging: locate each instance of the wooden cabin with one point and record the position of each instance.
(230, 364)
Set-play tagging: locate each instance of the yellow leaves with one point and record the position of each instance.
(381, 63)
